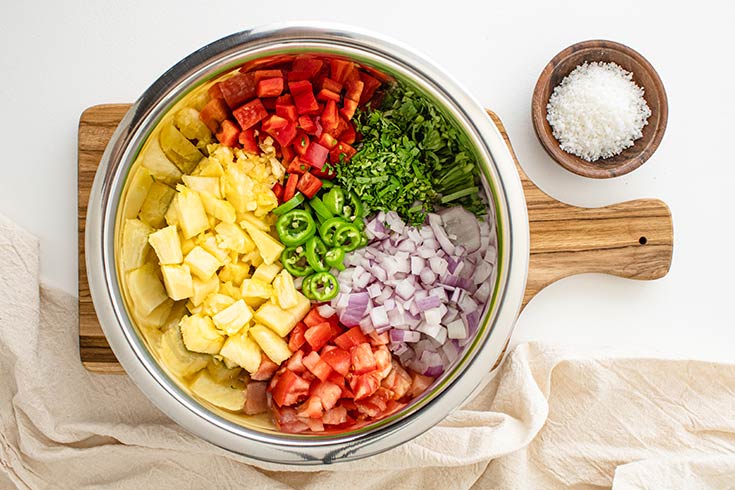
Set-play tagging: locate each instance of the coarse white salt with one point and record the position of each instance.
(597, 111)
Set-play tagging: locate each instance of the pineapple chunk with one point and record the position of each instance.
(140, 183)
(217, 208)
(202, 263)
(172, 213)
(159, 165)
(239, 188)
(267, 272)
(232, 237)
(177, 148)
(202, 289)
(157, 317)
(134, 244)
(167, 245)
(241, 350)
(215, 303)
(274, 346)
(281, 320)
(230, 290)
(145, 289)
(200, 334)
(176, 357)
(156, 204)
(253, 258)
(209, 167)
(229, 395)
(178, 310)
(192, 217)
(233, 318)
(193, 309)
(203, 184)
(220, 372)
(256, 222)
(255, 292)
(270, 249)
(285, 291)
(187, 245)
(235, 272)
(178, 282)
(209, 243)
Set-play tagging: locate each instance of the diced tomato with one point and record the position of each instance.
(308, 184)
(330, 117)
(290, 389)
(308, 124)
(306, 103)
(286, 111)
(328, 141)
(398, 381)
(297, 167)
(266, 370)
(250, 114)
(296, 362)
(296, 338)
(308, 64)
(325, 95)
(318, 335)
(382, 361)
(284, 99)
(419, 383)
(371, 84)
(334, 376)
(364, 385)
(301, 143)
(349, 135)
(377, 339)
(285, 135)
(348, 108)
(342, 151)
(338, 359)
(247, 140)
(316, 155)
(269, 87)
(293, 427)
(255, 400)
(278, 191)
(287, 420)
(312, 408)
(214, 113)
(363, 360)
(300, 87)
(335, 416)
(238, 89)
(259, 75)
(340, 69)
(290, 190)
(350, 338)
(313, 318)
(308, 376)
(228, 133)
(327, 392)
(329, 84)
(315, 425)
(316, 365)
(336, 329)
(288, 154)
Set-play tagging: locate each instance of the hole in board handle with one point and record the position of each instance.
(643, 240)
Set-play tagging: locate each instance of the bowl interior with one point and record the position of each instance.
(644, 76)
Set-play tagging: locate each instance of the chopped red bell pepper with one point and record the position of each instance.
(284, 99)
(349, 135)
(228, 133)
(325, 95)
(285, 135)
(250, 114)
(330, 118)
(308, 124)
(288, 154)
(214, 113)
(298, 76)
(259, 75)
(324, 173)
(348, 108)
(340, 69)
(328, 141)
(329, 84)
(354, 90)
(290, 189)
(300, 87)
(342, 151)
(308, 64)
(301, 143)
(215, 91)
(371, 85)
(316, 155)
(287, 111)
(274, 122)
(306, 103)
(297, 167)
(278, 191)
(238, 89)
(247, 140)
(269, 87)
(309, 185)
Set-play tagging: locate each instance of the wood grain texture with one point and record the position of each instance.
(643, 74)
(565, 240)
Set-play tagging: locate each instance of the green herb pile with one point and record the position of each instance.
(411, 159)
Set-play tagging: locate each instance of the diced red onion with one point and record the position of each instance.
(405, 289)
(467, 304)
(398, 348)
(428, 277)
(451, 351)
(379, 316)
(397, 335)
(433, 316)
(435, 222)
(395, 317)
(457, 329)
(413, 308)
(366, 325)
(482, 272)
(483, 293)
(417, 265)
(438, 265)
(356, 307)
(451, 315)
(374, 290)
(389, 304)
(428, 302)
(325, 310)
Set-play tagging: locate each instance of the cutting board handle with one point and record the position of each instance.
(633, 239)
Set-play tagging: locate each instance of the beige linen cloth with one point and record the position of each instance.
(553, 418)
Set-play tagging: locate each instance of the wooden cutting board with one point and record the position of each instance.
(633, 239)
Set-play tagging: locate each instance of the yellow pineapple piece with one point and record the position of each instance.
(215, 303)
(191, 215)
(146, 289)
(232, 237)
(282, 320)
(178, 310)
(209, 167)
(176, 357)
(255, 292)
(193, 309)
(233, 318)
(218, 208)
(202, 263)
(285, 291)
(209, 243)
(274, 346)
(270, 249)
(178, 282)
(157, 317)
(172, 213)
(187, 245)
(135, 246)
(253, 258)
(220, 372)
(200, 334)
(156, 204)
(230, 290)
(267, 272)
(203, 184)
(159, 165)
(235, 272)
(202, 289)
(253, 220)
(167, 245)
(242, 351)
(140, 183)
(229, 395)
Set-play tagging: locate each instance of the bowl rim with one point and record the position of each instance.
(122, 335)
(572, 162)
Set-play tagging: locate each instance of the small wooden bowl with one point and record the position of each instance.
(643, 75)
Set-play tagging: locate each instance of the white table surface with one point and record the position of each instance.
(57, 58)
